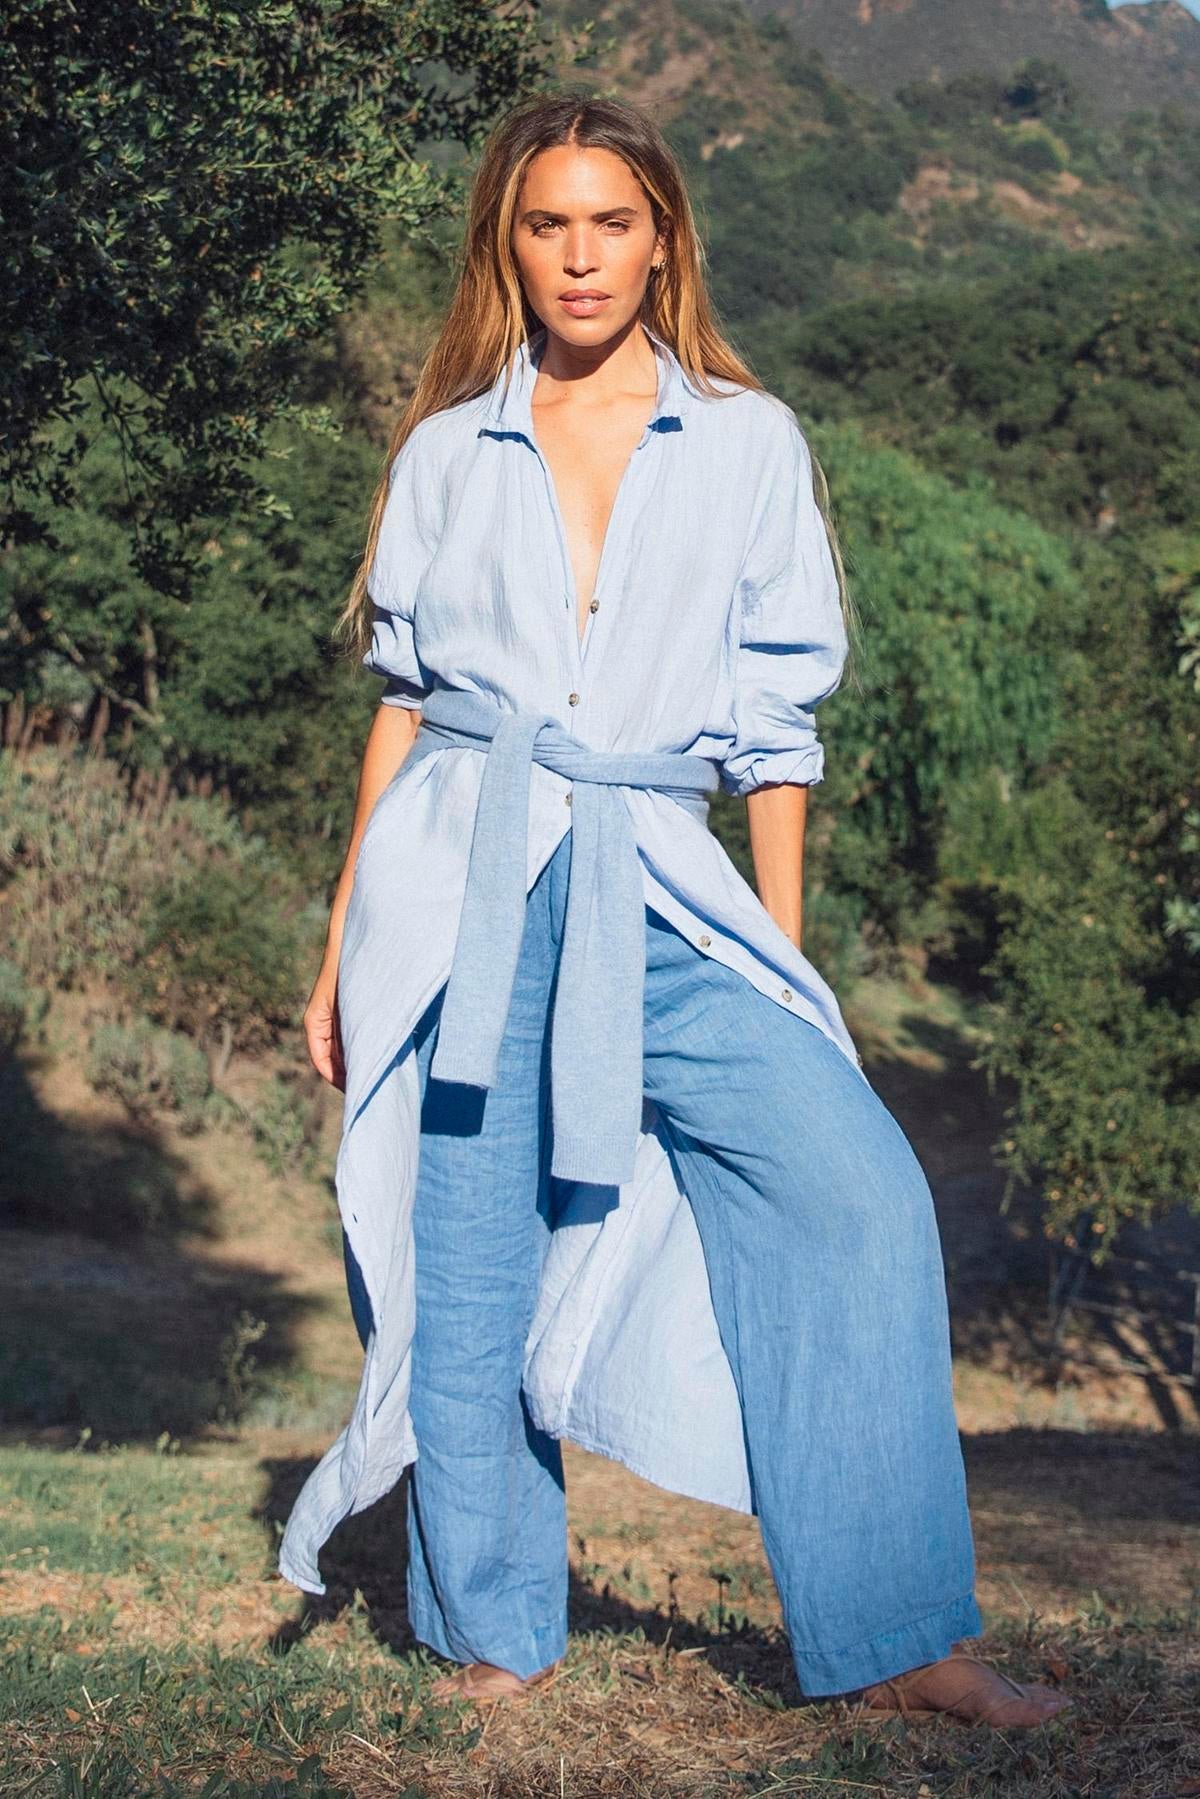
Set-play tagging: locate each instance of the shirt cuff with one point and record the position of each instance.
(803, 767)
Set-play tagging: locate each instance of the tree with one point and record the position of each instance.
(1097, 971)
(1040, 89)
(195, 191)
(971, 613)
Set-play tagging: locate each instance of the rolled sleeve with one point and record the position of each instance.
(792, 639)
(393, 655)
(406, 543)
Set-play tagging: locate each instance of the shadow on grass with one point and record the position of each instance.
(1061, 1514)
(368, 1554)
(108, 1324)
(116, 1183)
(1109, 1513)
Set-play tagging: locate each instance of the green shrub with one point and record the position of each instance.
(151, 1070)
(1037, 151)
(222, 951)
(971, 614)
(78, 860)
(1104, 1065)
(281, 1125)
(163, 896)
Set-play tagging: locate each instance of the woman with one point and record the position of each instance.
(610, 1167)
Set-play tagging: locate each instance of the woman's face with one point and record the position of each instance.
(583, 226)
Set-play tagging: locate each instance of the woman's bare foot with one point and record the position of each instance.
(485, 1683)
(964, 1687)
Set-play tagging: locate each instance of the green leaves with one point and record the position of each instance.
(196, 194)
(969, 612)
(1072, 380)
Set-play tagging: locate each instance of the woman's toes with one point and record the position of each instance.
(967, 1688)
(449, 1686)
(477, 1680)
(1036, 1704)
(483, 1680)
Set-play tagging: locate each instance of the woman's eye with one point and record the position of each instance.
(545, 225)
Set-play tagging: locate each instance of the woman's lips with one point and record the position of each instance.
(584, 308)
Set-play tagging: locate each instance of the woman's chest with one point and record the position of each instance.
(646, 565)
(587, 468)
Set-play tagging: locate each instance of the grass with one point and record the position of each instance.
(147, 1647)
(154, 1439)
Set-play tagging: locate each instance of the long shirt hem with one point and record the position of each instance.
(587, 1356)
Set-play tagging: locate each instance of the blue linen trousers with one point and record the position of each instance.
(826, 1274)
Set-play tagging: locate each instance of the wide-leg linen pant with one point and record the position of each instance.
(826, 1274)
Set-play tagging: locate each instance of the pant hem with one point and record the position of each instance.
(549, 1644)
(826, 1673)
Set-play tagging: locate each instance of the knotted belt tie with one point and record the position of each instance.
(596, 1028)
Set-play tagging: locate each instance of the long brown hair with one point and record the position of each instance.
(489, 317)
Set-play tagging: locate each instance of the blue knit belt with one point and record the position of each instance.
(597, 1028)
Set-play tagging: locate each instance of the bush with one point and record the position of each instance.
(164, 897)
(971, 613)
(1106, 1119)
(151, 1070)
(1037, 151)
(221, 953)
(79, 861)
(282, 1126)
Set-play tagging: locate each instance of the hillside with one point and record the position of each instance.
(1143, 56)
(816, 181)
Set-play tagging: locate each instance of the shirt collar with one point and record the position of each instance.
(509, 405)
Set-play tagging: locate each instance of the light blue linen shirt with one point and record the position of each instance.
(715, 630)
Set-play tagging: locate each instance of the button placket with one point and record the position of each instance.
(585, 640)
(615, 518)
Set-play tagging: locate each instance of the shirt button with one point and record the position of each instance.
(572, 699)
(594, 606)
(787, 993)
(704, 942)
(566, 799)
(858, 1058)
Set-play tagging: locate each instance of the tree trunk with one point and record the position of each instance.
(29, 725)
(149, 667)
(100, 722)
(14, 720)
(220, 1054)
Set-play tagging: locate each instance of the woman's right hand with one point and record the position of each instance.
(321, 1029)
(388, 743)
